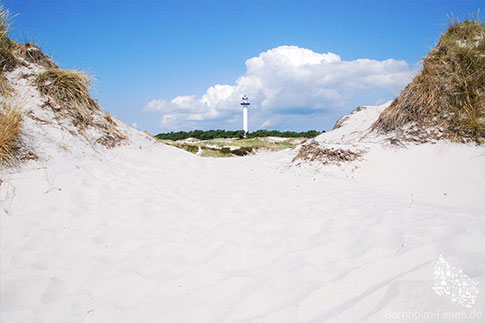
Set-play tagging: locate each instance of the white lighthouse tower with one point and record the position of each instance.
(245, 105)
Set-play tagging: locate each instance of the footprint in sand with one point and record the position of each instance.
(54, 290)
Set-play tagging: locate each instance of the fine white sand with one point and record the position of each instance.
(149, 233)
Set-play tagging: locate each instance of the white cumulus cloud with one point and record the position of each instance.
(289, 81)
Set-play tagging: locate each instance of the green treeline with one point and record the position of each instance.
(212, 134)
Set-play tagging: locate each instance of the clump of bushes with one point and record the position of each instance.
(449, 93)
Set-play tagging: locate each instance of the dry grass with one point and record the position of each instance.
(109, 119)
(66, 90)
(34, 54)
(10, 50)
(314, 152)
(5, 88)
(449, 94)
(69, 89)
(4, 21)
(10, 122)
(8, 61)
(344, 119)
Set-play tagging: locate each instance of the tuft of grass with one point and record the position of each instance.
(335, 156)
(69, 88)
(66, 90)
(10, 123)
(4, 21)
(109, 119)
(8, 61)
(7, 58)
(449, 93)
(5, 87)
(33, 54)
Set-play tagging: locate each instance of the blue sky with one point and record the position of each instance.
(303, 63)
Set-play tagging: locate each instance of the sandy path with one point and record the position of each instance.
(158, 235)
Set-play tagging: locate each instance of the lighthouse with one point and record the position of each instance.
(245, 105)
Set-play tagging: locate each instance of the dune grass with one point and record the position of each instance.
(69, 88)
(66, 90)
(10, 123)
(449, 93)
(7, 59)
(314, 152)
(5, 88)
(33, 54)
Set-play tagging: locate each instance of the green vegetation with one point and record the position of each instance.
(226, 147)
(212, 134)
(213, 153)
(449, 94)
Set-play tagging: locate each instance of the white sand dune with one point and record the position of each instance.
(148, 233)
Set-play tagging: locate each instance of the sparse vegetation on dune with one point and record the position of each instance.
(447, 99)
(8, 61)
(10, 118)
(66, 90)
(33, 54)
(6, 55)
(334, 156)
(69, 89)
(5, 88)
(230, 147)
(13, 54)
